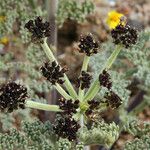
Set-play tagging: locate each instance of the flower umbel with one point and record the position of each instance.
(68, 106)
(93, 104)
(113, 100)
(66, 127)
(114, 19)
(12, 96)
(125, 35)
(88, 45)
(104, 79)
(53, 72)
(39, 29)
(84, 80)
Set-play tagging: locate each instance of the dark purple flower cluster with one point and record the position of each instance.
(12, 96)
(88, 45)
(113, 100)
(84, 80)
(66, 127)
(68, 106)
(93, 104)
(39, 29)
(53, 72)
(105, 80)
(124, 35)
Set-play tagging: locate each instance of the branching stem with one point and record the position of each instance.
(84, 68)
(62, 91)
(94, 89)
(51, 57)
(41, 106)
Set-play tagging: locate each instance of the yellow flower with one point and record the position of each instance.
(114, 19)
(2, 18)
(4, 40)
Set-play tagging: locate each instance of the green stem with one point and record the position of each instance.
(51, 57)
(94, 89)
(48, 51)
(85, 63)
(41, 106)
(84, 68)
(112, 57)
(62, 91)
(81, 92)
(70, 88)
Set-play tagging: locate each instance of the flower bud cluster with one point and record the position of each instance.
(88, 45)
(12, 96)
(125, 35)
(69, 107)
(84, 80)
(53, 72)
(93, 104)
(39, 29)
(65, 126)
(105, 80)
(113, 100)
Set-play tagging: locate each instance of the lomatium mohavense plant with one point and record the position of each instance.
(76, 108)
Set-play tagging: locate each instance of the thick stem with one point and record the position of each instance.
(70, 88)
(94, 89)
(81, 92)
(62, 91)
(112, 57)
(48, 51)
(85, 63)
(41, 106)
(84, 68)
(51, 57)
(82, 121)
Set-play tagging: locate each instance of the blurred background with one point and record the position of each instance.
(20, 59)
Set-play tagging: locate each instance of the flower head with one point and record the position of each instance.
(113, 100)
(84, 80)
(93, 105)
(39, 29)
(66, 127)
(12, 96)
(68, 106)
(105, 80)
(125, 35)
(114, 19)
(88, 45)
(53, 72)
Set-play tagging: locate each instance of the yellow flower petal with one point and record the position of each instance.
(114, 19)
(4, 40)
